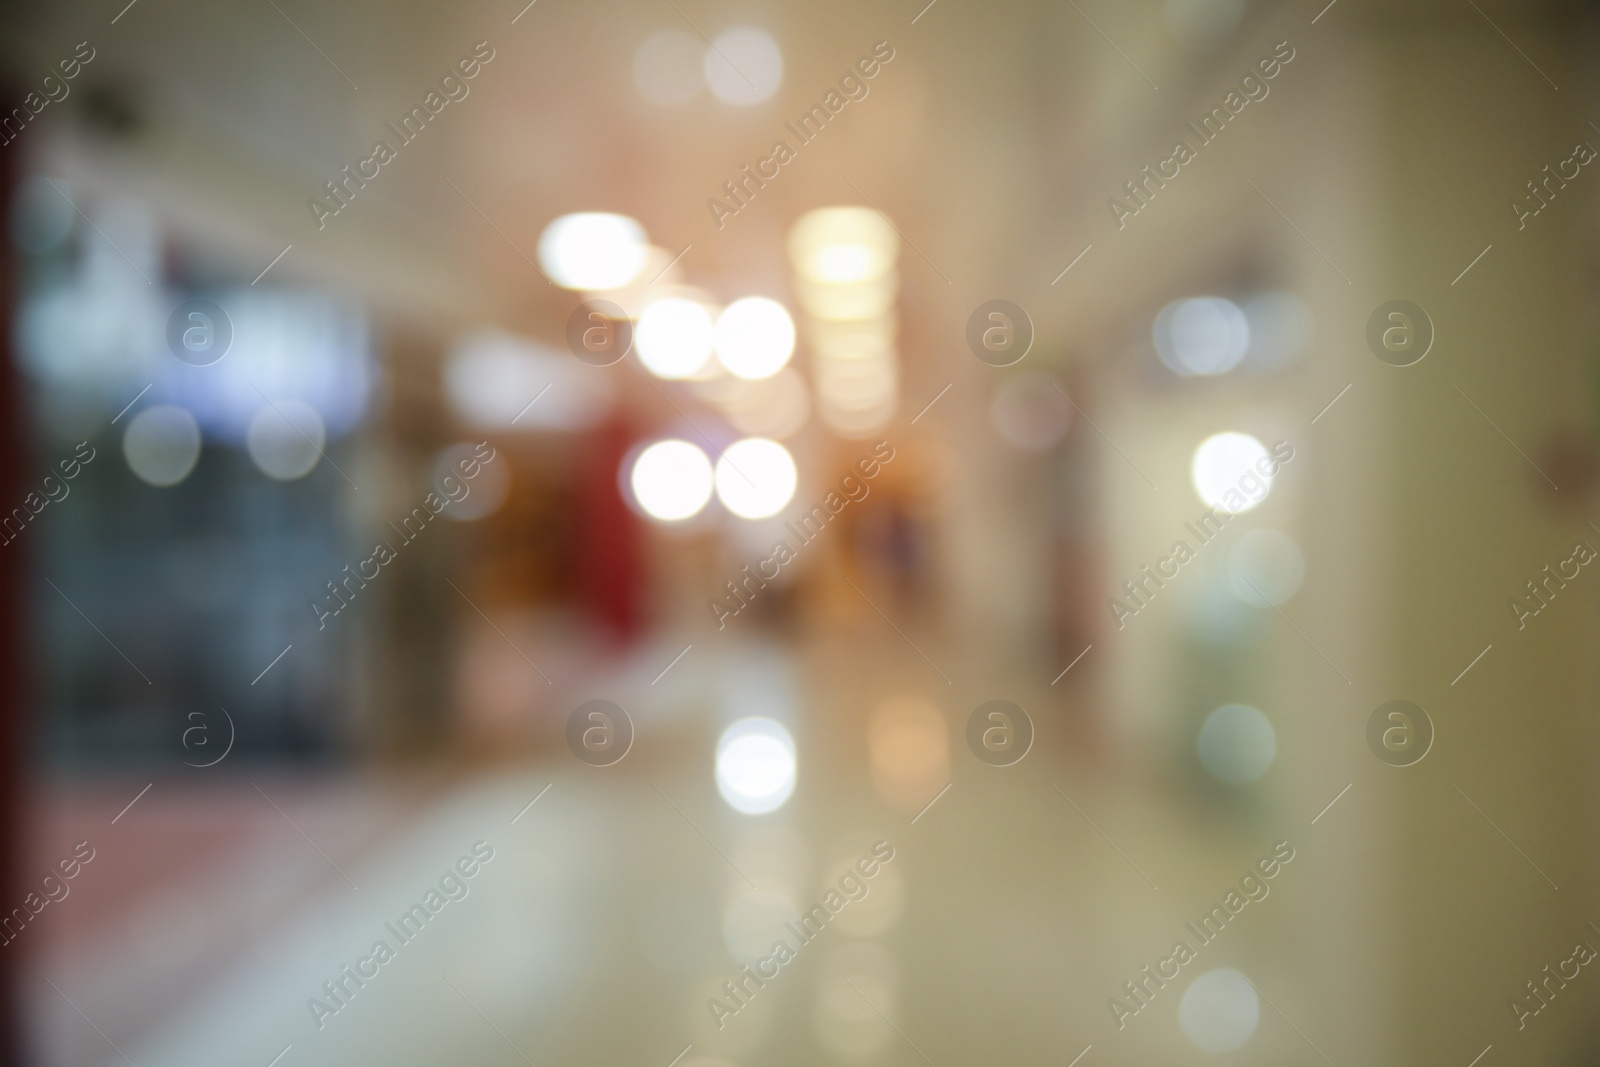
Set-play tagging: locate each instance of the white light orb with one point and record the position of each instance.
(1201, 336)
(593, 250)
(285, 439)
(1266, 568)
(671, 480)
(1228, 472)
(744, 67)
(674, 337)
(1237, 744)
(843, 244)
(1220, 1010)
(162, 445)
(754, 337)
(667, 68)
(756, 478)
(755, 766)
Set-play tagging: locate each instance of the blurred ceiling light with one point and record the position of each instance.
(845, 301)
(1265, 568)
(908, 747)
(472, 498)
(1227, 470)
(744, 67)
(1201, 336)
(843, 244)
(756, 478)
(285, 439)
(593, 250)
(671, 480)
(490, 378)
(667, 68)
(1280, 327)
(1220, 1010)
(754, 337)
(674, 337)
(1030, 411)
(1237, 744)
(162, 444)
(755, 766)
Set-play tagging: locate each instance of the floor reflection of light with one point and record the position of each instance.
(1219, 1011)
(285, 439)
(667, 67)
(756, 478)
(1227, 472)
(1201, 335)
(593, 250)
(162, 445)
(1237, 744)
(755, 337)
(674, 337)
(744, 67)
(755, 766)
(1266, 568)
(671, 480)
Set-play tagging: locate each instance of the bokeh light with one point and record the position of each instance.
(755, 766)
(1237, 744)
(756, 478)
(843, 244)
(593, 250)
(1201, 336)
(744, 67)
(162, 444)
(754, 337)
(1227, 472)
(1265, 568)
(285, 439)
(674, 337)
(671, 480)
(1220, 1010)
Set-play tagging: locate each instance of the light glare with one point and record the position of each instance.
(671, 480)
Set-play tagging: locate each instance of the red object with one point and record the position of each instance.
(609, 556)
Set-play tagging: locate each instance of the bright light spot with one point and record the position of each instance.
(1204, 335)
(1232, 472)
(667, 67)
(1237, 744)
(1030, 411)
(285, 439)
(671, 480)
(744, 67)
(501, 382)
(1266, 568)
(755, 478)
(843, 244)
(470, 497)
(674, 337)
(593, 250)
(1219, 1011)
(755, 766)
(162, 444)
(754, 337)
